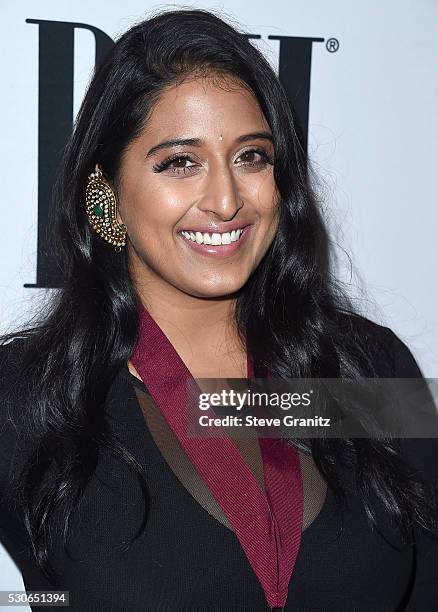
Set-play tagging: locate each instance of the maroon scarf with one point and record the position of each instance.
(267, 523)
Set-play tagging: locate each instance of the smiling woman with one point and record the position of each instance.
(192, 246)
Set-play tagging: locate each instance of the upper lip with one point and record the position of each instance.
(218, 229)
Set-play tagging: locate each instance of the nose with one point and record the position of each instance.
(221, 195)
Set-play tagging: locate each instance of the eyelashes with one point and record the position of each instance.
(166, 164)
(163, 165)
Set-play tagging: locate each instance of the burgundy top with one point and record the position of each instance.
(267, 523)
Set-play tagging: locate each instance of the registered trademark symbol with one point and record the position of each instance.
(332, 45)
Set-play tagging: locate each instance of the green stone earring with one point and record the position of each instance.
(101, 207)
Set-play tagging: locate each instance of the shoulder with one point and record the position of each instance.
(395, 360)
(391, 355)
(11, 357)
(11, 353)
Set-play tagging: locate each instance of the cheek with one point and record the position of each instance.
(266, 201)
(268, 209)
(262, 192)
(152, 205)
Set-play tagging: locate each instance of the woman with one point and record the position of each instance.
(192, 246)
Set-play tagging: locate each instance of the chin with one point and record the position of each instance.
(215, 289)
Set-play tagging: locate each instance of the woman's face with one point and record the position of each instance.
(197, 191)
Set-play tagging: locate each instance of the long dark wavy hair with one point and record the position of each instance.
(292, 312)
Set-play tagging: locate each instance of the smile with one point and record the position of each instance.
(216, 244)
(216, 239)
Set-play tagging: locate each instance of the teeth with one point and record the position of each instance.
(215, 239)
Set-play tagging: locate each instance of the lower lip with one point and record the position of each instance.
(220, 250)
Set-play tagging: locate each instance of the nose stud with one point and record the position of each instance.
(221, 137)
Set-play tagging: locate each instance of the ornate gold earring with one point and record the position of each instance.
(101, 206)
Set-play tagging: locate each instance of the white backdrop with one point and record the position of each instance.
(373, 132)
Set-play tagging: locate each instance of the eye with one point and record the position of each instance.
(176, 165)
(256, 157)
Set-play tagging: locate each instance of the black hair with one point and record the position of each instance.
(294, 315)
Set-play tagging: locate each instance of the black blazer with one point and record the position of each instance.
(190, 561)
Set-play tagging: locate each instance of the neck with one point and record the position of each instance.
(202, 330)
(194, 317)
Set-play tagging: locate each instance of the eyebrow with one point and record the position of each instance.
(197, 142)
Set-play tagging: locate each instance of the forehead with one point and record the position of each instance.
(205, 105)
